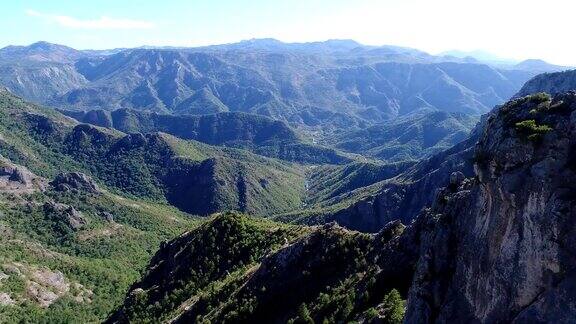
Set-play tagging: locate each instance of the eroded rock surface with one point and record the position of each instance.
(503, 244)
(18, 179)
(64, 213)
(43, 286)
(74, 181)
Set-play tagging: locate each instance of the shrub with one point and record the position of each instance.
(532, 130)
(371, 313)
(540, 97)
(304, 315)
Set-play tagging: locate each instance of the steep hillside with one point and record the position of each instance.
(194, 177)
(411, 137)
(404, 195)
(502, 247)
(39, 81)
(235, 269)
(255, 133)
(398, 195)
(268, 84)
(41, 52)
(69, 248)
(328, 182)
(496, 246)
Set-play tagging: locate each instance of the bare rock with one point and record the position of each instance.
(74, 181)
(18, 179)
(502, 247)
(42, 295)
(74, 218)
(6, 300)
(107, 216)
(12, 269)
(46, 286)
(52, 279)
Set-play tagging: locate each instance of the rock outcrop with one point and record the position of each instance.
(404, 196)
(502, 246)
(74, 181)
(495, 246)
(62, 213)
(42, 286)
(18, 179)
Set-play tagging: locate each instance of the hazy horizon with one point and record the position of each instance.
(512, 29)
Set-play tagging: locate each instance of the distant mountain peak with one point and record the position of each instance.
(539, 65)
(44, 44)
(261, 41)
(41, 51)
(478, 55)
(533, 61)
(342, 42)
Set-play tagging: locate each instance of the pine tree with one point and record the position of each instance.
(393, 307)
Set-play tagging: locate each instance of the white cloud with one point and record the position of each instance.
(100, 23)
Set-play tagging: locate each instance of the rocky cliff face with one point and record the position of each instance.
(502, 247)
(404, 196)
(74, 181)
(18, 179)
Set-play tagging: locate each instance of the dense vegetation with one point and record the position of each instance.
(328, 182)
(195, 177)
(407, 138)
(258, 134)
(97, 262)
(81, 250)
(236, 269)
(229, 244)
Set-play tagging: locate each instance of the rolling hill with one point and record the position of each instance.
(255, 133)
(155, 165)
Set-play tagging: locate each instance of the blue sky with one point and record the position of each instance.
(508, 28)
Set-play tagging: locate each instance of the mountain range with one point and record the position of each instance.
(332, 84)
(352, 183)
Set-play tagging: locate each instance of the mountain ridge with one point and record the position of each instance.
(255, 133)
(302, 84)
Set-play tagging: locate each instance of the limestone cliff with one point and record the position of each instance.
(502, 248)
